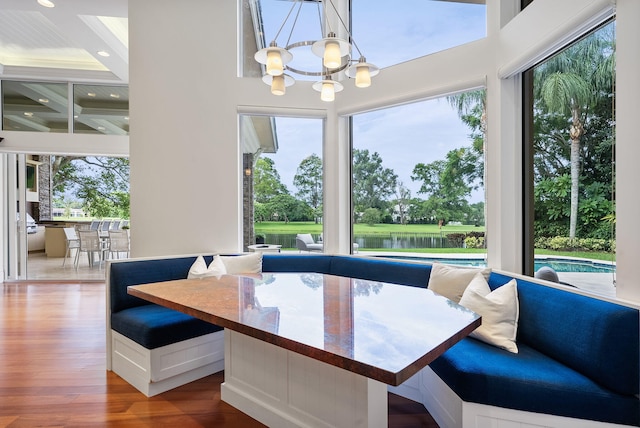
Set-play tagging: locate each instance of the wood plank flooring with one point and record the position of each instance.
(53, 373)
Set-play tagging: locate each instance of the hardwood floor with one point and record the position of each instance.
(52, 370)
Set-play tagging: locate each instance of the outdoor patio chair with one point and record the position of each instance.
(90, 243)
(118, 243)
(305, 242)
(72, 241)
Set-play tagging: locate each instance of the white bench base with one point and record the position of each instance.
(450, 411)
(153, 371)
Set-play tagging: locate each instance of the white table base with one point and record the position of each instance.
(281, 388)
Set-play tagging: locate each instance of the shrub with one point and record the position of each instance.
(474, 242)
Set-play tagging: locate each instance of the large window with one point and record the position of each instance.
(418, 177)
(573, 163)
(283, 181)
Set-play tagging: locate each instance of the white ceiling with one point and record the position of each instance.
(62, 43)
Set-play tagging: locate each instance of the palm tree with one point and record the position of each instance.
(569, 84)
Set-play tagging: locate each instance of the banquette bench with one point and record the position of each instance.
(577, 364)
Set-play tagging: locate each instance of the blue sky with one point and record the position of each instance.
(403, 135)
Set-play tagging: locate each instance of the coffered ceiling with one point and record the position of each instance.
(77, 40)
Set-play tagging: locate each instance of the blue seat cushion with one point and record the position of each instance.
(530, 381)
(153, 326)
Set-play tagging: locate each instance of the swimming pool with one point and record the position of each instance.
(557, 264)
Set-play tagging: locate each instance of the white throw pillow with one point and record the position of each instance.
(450, 281)
(199, 268)
(499, 310)
(250, 263)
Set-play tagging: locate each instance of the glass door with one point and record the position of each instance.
(15, 210)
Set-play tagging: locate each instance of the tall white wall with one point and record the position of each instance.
(185, 162)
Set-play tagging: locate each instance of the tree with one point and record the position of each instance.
(448, 183)
(371, 216)
(266, 181)
(569, 84)
(287, 208)
(372, 183)
(308, 180)
(472, 110)
(403, 201)
(101, 183)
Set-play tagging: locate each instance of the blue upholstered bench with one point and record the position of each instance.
(578, 362)
(147, 343)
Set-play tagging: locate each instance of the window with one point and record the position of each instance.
(282, 180)
(572, 160)
(389, 34)
(35, 106)
(418, 177)
(101, 109)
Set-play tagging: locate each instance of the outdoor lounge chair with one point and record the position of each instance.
(305, 242)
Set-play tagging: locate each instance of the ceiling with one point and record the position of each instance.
(63, 43)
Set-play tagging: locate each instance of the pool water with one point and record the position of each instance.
(557, 264)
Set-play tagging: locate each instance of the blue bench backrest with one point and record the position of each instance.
(594, 337)
(124, 274)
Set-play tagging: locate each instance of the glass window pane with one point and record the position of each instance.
(574, 163)
(35, 106)
(282, 181)
(101, 109)
(391, 34)
(418, 178)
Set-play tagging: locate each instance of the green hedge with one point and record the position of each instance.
(563, 243)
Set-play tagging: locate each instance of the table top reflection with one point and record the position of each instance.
(383, 331)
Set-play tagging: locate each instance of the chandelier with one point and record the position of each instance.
(334, 51)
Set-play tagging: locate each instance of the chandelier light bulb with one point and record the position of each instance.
(327, 94)
(363, 77)
(277, 85)
(332, 57)
(275, 67)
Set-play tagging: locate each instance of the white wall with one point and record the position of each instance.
(185, 162)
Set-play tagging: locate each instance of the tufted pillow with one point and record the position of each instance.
(199, 268)
(450, 281)
(499, 310)
(249, 263)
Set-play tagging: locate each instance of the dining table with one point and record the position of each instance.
(312, 349)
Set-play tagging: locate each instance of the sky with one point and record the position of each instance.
(404, 135)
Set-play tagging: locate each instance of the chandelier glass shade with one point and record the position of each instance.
(334, 51)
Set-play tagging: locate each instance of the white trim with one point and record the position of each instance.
(583, 17)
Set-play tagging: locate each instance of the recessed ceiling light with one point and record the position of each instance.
(104, 53)
(46, 3)
(28, 113)
(91, 94)
(43, 100)
(126, 118)
(101, 128)
(116, 96)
